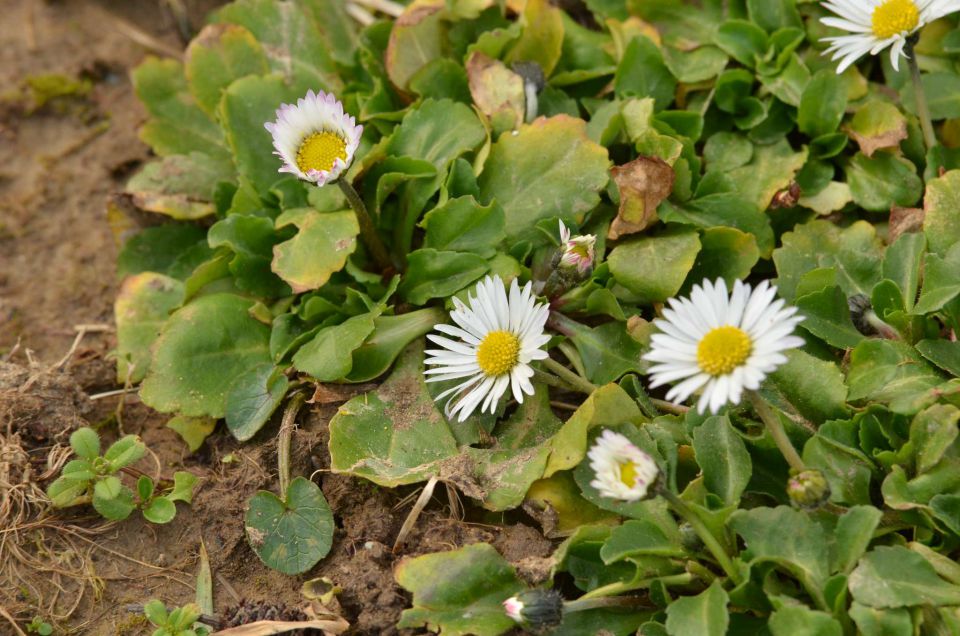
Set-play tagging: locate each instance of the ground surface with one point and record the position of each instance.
(59, 166)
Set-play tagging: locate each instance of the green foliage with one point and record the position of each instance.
(768, 164)
(95, 479)
(180, 621)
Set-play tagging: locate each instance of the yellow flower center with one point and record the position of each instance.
(498, 353)
(320, 150)
(723, 349)
(893, 17)
(628, 474)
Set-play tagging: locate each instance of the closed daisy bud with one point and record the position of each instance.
(622, 471)
(314, 137)
(721, 344)
(808, 489)
(537, 609)
(879, 24)
(497, 337)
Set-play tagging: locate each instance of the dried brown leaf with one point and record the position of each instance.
(644, 183)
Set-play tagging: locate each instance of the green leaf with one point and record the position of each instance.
(878, 622)
(338, 30)
(853, 535)
(797, 620)
(803, 551)
(67, 491)
(878, 125)
(743, 40)
(180, 186)
(942, 90)
(391, 335)
(85, 443)
(941, 281)
(890, 372)
(772, 169)
(292, 534)
(156, 612)
(320, 248)
(943, 353)
(435, 274)
(193, 430)
(183, 485)
(329, 355)
(459, 592)
(252, 398)
(725, 253)
(177, 125)
(218, 55)
(143, 305)
(823, 103)
(394, 435)
(655, 267)
(247, 104)
(773, 15)
(815, 387)
(723, 209)
(550, 168)
(902, 264)
(125, 451)
(201, 350)
(853, 252)
(702, 615)
(893, 576)
(701, 64)
(113, 502)
(608, 352)
(932, 433)
(163, 249)
(642, 73)
(607, 406)
(290, 39)
(723, 458)
(463, 225)
(416, 39)
(542, 36)
(251, 239)
(160, 510)
(940, 222)
(883, 181)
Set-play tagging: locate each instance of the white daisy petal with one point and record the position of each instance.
(314, 137)
(877, 25)
(751, 330)
(622, 470)
(500, 332)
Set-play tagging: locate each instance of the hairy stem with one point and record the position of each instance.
(923, 109)
(284, 438)
(772, 421)
(578, 383)
(709, 539)
(368, 231)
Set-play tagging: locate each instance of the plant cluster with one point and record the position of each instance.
(95, 479)
(585, 193)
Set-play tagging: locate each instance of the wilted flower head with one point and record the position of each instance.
(497, 339)
(721, 343)
(577, 252)
(622, 470)
(315, 138)
(878, 24)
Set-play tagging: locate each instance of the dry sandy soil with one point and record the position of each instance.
(60, 163)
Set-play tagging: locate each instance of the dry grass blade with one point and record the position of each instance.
(418, 507)
(265, 628)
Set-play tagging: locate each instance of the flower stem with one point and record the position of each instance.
(368, 231)
(772, 421)
(575, 381)
(713, 544)
(620, 587)
(284, 438)
(923, 109)
(670, 407)
(583, 604)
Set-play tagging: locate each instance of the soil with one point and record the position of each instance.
(61, 162)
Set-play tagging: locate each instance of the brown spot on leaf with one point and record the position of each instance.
(869, 144)
(496, 90)
(644, 183)
(903, 220)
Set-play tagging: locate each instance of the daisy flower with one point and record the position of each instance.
(878, 24)
(721, 344)
(622, 470)
(315, 138)
(496, 340)
(577, 252)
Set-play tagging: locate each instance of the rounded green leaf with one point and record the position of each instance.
(218, 55)
(723, 458)
(702, 615)
(200, 352)
(252, 399)
(329, 355)
(883, 181)
(292, 534)
(654, 267)
(160, 510)
(85, 443)
(142, 307)
(320, 247)
(941, 222)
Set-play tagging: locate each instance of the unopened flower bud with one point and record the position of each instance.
(689, 538)
(538, 610)
(808, 489)
(576, 253)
